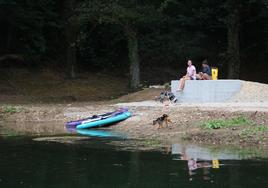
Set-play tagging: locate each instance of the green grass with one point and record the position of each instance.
(252, 131)
(225, 123)
(8, 133)
(152, 143)
(9, 109)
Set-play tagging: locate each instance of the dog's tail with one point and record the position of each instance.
(154, 122)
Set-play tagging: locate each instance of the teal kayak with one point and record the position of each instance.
(106, 121)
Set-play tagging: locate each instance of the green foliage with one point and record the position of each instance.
(27, 25)
(151, 143)
(8, 133)
(221, 123)
(9, 109)
(239, 121)
(252, 131)
(169, 32)
(214, 124)
(120, 12)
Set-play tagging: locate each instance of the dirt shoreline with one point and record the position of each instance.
(49, 119)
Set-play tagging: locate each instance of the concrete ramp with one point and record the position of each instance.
(206, 90)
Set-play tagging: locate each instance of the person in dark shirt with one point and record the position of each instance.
(206, 71)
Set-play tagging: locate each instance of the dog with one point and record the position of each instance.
(164, 119)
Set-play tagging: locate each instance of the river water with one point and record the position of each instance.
(26, 162)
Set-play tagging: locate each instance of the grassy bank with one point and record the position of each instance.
(241, 130)
(226, 123)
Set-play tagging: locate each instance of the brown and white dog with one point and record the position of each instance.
(164, 119)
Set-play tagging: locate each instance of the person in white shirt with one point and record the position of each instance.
(190, 75)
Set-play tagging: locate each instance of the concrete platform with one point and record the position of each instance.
(206, 90)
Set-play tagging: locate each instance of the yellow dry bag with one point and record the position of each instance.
(214, 73)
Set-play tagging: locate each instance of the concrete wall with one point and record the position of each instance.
(206, 90)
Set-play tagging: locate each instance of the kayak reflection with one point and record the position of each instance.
(97, 133)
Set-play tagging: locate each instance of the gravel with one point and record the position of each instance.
(253, 96)
(252, 92)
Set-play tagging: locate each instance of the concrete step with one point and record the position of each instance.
(206, 90)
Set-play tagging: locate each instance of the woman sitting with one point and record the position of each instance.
(190, 75)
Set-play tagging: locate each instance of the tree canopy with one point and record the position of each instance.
(148, 41)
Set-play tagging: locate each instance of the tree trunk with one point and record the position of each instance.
(71, 60)
(233, 50)
(70, 34)
(133, 55)
(9, 38)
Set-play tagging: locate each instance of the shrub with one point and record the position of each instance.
(221, 123)
(9, 109)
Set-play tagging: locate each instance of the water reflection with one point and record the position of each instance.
(201, 160)
(96, 132)
(32, 128)
(194, 164)
(185, 152)
(96, 163)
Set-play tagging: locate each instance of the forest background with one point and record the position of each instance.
(142, 41)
